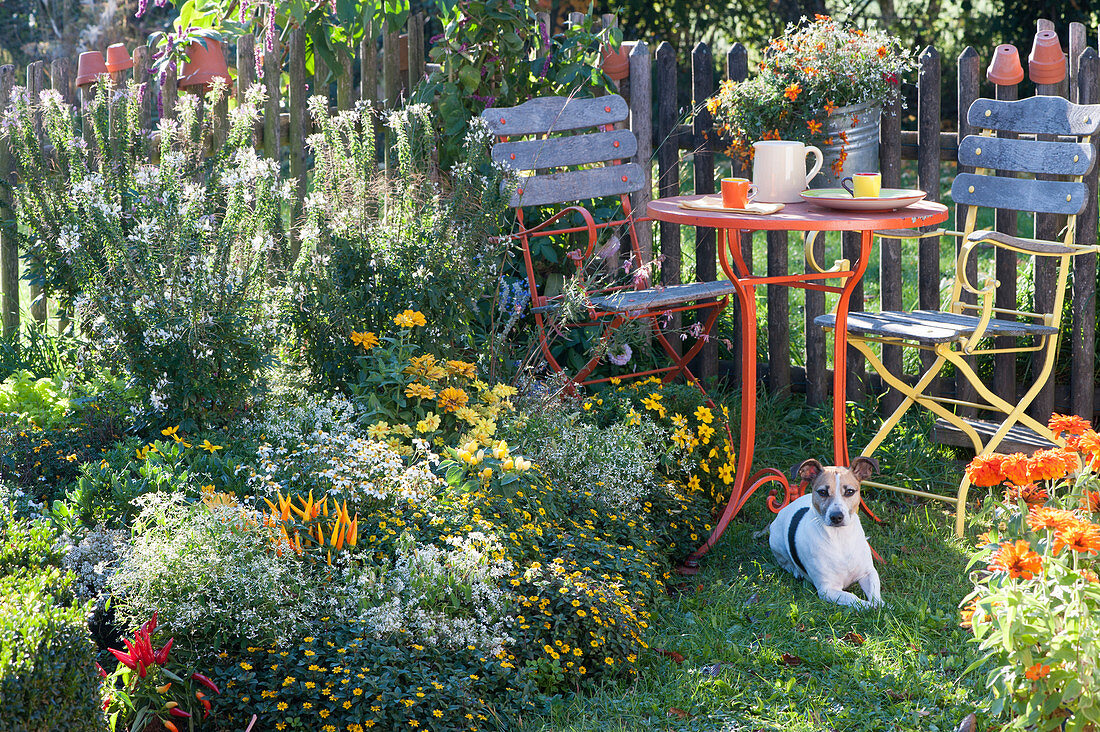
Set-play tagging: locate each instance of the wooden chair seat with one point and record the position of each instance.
(662, 297)
(930, 326)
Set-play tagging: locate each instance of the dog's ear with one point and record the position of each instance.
(864, 468)
(807, 470)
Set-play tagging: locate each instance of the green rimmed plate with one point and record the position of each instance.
(889, 199)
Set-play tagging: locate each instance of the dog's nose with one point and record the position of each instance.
(836, 519)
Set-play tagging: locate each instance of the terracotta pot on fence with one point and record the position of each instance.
(205, 64)
(1047, 63)
(89, 66)
(118, 58)
(615, 63)
(1005, 69)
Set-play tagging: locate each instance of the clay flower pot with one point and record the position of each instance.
(205, 64)
(1005, 68)
(1047, 63)
(118, 58)
(89, 66)
(615, 63)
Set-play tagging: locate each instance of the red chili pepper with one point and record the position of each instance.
(177, 712)
(205, 681)
(125, 658)
(141, 670)
(161, 656)
(146, 648)
(150, 624)
(102, 673)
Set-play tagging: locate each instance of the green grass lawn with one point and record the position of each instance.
(896, 668)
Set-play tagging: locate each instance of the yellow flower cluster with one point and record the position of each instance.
(366, 340)
(410, 319)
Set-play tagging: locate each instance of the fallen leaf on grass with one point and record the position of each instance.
(789, 659)
(713, 670)
(854, 638)
(897, 695)
(969, 723)
(678, 713)
(671, 654)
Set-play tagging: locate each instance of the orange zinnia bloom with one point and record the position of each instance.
(1032, 494)
(1051, 519)
(1070, 424)
(1014, 467)
(1088, 445)
(1017, 559)
(985, 470)
(1091, 501)
(792, 91)
(1037, 672)
(1080, 536)
(1051, 464)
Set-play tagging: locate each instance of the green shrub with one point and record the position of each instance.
(26, 544)
(36, 401)
(48, 678)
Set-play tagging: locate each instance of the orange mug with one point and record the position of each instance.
(737, 192)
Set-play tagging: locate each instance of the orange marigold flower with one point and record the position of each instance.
(792, 91)
(1014, 468)
(968, 615)
(1037, 672)
(829, 107)
(815, 127)
(1032, 494)
(985, 470)
(1069, 424)
(1088, 445)
(882, 52)
(1080, 536)
(1090, 576)
(1017, 559)
(1051, 519)
(1091, 501)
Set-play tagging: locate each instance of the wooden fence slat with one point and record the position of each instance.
(391, 71)
(779, 316)
(969, 75)
(61, 82)
(320, 78)
(1047, 226)
(273, 71)
(702, 86)
(737, 69)
(641, 123)
(145, 88)
(296, 106)
(220, 132)
(1004, 364)
(36, 83)
(9, 243)
(169, 92)
(1077, 43)
(928, 179)
(344, 86)
(416, 50)
(668, 173)
(890, 281)
(368, 65)
(1083, 333)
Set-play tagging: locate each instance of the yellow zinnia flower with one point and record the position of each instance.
(410, 319)
(366, 339)
(451, 398)
(420, 391)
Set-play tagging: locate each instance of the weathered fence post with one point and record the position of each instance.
(416, 50)
(641, 123)
(61, 82)
(928, 179)
(702, 86)
(144, 87)
(1004, 364)
(9, 242)
(273, 72)
(296, 107)
(36, 83)
(1083, 374)
(668, 172)
(1047, 226)
(969, 74)
(890, 288)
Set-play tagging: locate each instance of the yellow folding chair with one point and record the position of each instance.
(963, 330)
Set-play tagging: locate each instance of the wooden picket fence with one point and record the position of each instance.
(651, 91)
(932, 149)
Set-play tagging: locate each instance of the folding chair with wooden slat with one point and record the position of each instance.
(565, 151)
(962, 331)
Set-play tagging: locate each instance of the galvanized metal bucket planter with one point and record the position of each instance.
(860, 123)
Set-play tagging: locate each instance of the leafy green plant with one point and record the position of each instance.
(38, 402)
(47, 659)
(26, 544)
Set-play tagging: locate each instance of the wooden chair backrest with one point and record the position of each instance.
(554, 146)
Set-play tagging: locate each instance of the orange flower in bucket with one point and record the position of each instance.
(1017, 559)
(985, 470)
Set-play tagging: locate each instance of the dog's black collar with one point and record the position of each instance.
(790, 537)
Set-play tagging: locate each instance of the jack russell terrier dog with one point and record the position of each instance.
(819, 535)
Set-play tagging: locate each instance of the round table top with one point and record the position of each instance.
(799, 217)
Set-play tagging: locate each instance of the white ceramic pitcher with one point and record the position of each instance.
(779, 169)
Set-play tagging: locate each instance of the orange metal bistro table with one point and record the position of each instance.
(793, 217)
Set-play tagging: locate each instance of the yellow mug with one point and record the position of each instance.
(863, 185)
